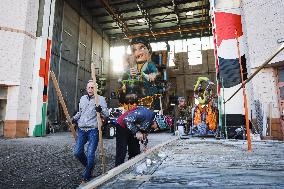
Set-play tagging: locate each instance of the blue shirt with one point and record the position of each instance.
(87, 115)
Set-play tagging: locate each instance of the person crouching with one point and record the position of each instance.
(132, 127)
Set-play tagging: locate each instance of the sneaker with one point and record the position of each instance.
(83, 181)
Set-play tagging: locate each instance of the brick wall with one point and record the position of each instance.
(263, 24)
(18, 22)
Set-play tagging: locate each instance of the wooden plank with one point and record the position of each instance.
(115, 171)
(61, 101)
(101, 145)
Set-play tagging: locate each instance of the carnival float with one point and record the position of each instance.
(205, 110)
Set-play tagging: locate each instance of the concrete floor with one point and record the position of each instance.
(207, 163)
(48, 162)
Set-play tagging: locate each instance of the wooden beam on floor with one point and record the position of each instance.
(117, 170)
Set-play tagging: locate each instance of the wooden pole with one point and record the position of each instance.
(101, 146)
(244, 94)
(61, 101)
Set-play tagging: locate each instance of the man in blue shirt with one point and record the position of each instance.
(86, 119)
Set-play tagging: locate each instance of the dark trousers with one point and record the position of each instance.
(124, 139)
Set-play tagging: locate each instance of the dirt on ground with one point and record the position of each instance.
(45, 162)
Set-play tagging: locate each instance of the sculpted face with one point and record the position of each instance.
(141, 53)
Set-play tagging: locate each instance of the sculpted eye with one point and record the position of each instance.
(142, 48)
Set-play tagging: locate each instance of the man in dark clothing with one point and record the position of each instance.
(132, 127)
(182, 114)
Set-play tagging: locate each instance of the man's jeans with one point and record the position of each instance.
(87, 161)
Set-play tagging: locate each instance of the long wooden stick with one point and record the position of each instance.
(101, 145)
(244, 94)
(61, 100)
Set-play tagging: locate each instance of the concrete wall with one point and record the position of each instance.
(18, 21)
(263, 25)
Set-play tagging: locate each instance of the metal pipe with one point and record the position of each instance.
(60, 45)
(225, 117)
(78, 67)
(92, 47)
(60, 60)
(278, 50)
(102, 54)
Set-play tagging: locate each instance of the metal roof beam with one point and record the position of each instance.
(152, 15)
(167, 4)
(171, 31)
(116, 17)
(140, 5)
(170, 20)
(207, 6)
(160, 4)
(171, 37)
(91, 4)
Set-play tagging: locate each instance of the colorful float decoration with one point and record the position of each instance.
(205, 111)
(133, 92)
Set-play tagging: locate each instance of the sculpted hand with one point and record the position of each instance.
(152, 77)
(133, 71)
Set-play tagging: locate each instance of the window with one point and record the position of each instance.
(171, 54)
(160, 46)
(194, 57)
(178, 46)
(281, 75)
(116, 56)
(171, 59)
(193, 46)
(194, 51)
(128, 50)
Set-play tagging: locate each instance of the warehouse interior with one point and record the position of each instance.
(109, 34)
(223, 59)
(186, 38)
